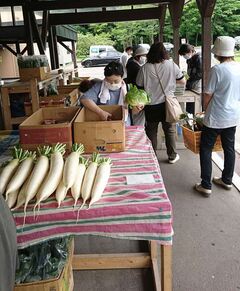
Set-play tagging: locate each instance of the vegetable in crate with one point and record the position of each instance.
(193, 122)
(136, 97)
(32, 61)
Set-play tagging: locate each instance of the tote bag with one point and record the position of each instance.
(172, 106)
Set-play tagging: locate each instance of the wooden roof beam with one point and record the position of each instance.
(104, 16)
(71, 4)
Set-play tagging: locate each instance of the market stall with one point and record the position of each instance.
(134, 206)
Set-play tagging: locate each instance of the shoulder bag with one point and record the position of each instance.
(172, 106)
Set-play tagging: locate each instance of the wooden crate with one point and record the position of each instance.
(40, 73)
(63, 283)
(192, 140)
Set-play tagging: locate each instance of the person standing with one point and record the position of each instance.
(8, 247)
(124, 59)
(222, 105)
(133, 66)
(194, 71)
(159, 68)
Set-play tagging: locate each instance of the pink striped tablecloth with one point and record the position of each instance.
(140, 212)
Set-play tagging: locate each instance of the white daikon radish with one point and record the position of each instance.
(22, 173)
(12, 199)
(89, 178)
(61, 193)
(38, 174)
(71, 165)
(9, 170)
(101, 180)
(54, 176)
(22, 196)
(76, 187)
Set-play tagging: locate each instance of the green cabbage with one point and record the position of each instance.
(136, 97)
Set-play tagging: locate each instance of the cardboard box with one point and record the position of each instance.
(63, 283)
(34, 131)
(101, 136)
(40, 73)
(192, 140)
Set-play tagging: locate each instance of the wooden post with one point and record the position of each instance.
(44, 28)
(34, 94)
(163, 9)
(51, 48)
(206, 8)
(6, 108)
(28, 29)
(175, 9)
(166, 267)
(74, 58)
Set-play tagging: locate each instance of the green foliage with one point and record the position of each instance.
(191, 23)
(225, 20)
(88, 39)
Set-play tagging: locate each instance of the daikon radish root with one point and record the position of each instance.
(8, 171)
(101, 180)
(89, 178)
(54, 175)
(38, 174)
(61, 193)
(12, 199)
(22, 173)
(76, 187)
(71, 165)
(21, 196)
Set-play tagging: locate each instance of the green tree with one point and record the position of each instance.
(86, 40)
(225, 20)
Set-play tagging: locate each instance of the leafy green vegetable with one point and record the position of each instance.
(136, 97)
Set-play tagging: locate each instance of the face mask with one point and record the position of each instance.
(113, 87)
(187, 57)
(142, 60)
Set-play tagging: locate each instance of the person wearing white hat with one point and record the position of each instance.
(222, 115)
(133, 66)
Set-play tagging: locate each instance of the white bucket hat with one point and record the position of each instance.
(224, 46)
(140, 51)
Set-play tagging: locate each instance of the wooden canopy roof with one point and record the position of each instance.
(97, 11)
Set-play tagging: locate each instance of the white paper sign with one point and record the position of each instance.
(140, 179)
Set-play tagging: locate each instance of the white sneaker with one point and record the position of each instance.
(174, 160)
(205, 192)
(219, 181)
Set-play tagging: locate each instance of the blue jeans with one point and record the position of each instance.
(208, 139)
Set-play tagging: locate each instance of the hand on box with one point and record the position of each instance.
(104, 115)
(137, 109)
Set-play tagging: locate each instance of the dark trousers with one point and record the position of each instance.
(208, 139)
(170, 136)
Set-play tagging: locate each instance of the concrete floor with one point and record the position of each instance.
(206, 246)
